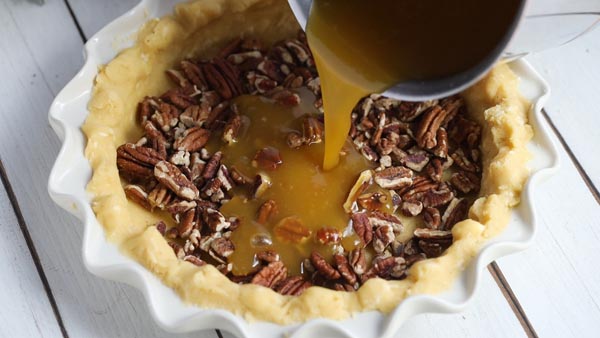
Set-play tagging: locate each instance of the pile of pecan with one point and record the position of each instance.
(414, 144)
(429, 163)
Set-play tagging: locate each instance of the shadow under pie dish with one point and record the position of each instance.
(200, 30)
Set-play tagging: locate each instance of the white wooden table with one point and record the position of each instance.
(550, 290)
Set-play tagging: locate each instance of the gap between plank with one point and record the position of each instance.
(32, 251)
(495, 269)
(84, 39)
(75, 21)
(586, 178)
(512, 300)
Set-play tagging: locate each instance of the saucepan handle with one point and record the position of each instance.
(301, 9)
(552, 23)
(546, 23)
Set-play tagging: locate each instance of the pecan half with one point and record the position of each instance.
(222, 247)
(345, 270)
(293, 81)
(382, 237)
(421, 185)
(410, 111)
(215, 220)
(267, 158)
(324, 268)
(194, 260)
(432, 248)
(266, 211)
(362, 227)
(160, 197)
(328, 236)
(357, 260)
(177, 249)
(156, 139)
(138, 195)
(416, 159)
(284, 97)
(135, 162)
(456, 212)
(171, 177)
(292, 286)
(146, 108)
(386, 267)
(270, 275)
(213, 190)
(212, 166)
(224, 176)
(180, 206)
(218, 115)
(463, 162)
(194, 73)
(232, 129)
(441, 148)
(267, 256)
(394, 177)
(166, 116)
(193, 139)
(465, 181)
(344, 287)
(180, 158)
(466, 132)
(195, 115)
(186, 222)
(223, 77)
(179, 98)
(430, 123)
(261, 83)
(238, 177)
(432, 218)
(379, 219)
(291, 229)
(239, 58)
(435, 170)
(411, 208)
(440, 195)
(312, 130)
(161, 227)
(423, 233)
(271, 69)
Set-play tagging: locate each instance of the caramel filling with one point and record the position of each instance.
(307, 200)
(233, 153)
(362, 47)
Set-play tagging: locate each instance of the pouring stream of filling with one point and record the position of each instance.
(364, 47)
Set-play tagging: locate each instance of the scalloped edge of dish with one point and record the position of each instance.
(71, 173)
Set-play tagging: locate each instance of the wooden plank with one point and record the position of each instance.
(489, 315)
(40, 50)
(93, 15)
(573, 72)
(556, 280)
(26, 310)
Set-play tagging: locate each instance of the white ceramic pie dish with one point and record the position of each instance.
(72, 172)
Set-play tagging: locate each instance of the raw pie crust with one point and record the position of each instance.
(201, 28)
